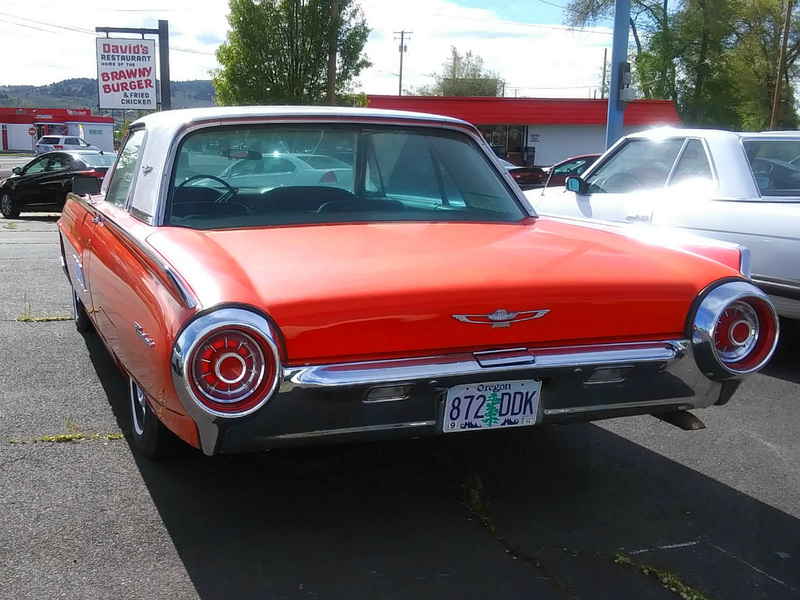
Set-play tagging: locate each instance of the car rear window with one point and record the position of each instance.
(98, 160)
(335, 173)
(775, 165)
(49, 140)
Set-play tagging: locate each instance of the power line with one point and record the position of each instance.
(84, 31)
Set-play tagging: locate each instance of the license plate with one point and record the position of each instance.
(492, 405)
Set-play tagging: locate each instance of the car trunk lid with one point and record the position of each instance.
(361, 291)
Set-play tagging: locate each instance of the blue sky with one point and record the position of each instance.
(524, 41)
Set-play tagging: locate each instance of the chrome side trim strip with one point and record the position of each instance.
(177, 285)
(188, 300)
(350, 430)
(391, 371)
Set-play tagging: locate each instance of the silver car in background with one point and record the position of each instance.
(738, 187)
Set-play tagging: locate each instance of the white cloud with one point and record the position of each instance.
(48, 40)
(535, 60)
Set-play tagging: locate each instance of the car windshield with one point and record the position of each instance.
(286, 175)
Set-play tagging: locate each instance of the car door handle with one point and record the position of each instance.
(97, 219)
(638, 218)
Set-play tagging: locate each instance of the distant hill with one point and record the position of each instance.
(82, 93)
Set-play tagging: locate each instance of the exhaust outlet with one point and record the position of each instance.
(682, 419)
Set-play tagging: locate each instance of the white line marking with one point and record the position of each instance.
(756, 569)
(666, 547)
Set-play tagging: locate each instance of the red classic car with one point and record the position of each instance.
(412, 293)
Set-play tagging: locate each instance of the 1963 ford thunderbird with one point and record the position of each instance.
(279, 276)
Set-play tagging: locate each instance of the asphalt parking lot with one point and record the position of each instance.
(630, 508)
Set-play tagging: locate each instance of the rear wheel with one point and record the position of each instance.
(150, 436)
(7, 206)
(82, 322)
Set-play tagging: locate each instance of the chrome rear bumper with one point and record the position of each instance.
(331, 403)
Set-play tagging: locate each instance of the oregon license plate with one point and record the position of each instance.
(491, 405)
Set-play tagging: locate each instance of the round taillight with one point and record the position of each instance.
(227, 363)
(736, 328)
(228, 369)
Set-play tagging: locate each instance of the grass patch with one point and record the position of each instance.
(27, 318)
(10, 226)
(74, 434)
(667, 579)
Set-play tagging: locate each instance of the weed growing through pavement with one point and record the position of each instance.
(74, 435)
(27, 316)
(667, 579)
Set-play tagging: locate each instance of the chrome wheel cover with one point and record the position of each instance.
(138, 407)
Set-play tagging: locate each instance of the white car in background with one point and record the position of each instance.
(48, 143)
(738, 187)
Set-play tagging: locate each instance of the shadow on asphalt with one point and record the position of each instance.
(393, 520)
(785, 363)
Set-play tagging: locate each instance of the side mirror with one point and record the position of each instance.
(577, 185)
(85, 185)
(17, 170)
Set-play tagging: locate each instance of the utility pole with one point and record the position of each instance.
(403, 48)
(776, 101)
(334, 38)
(605, 66)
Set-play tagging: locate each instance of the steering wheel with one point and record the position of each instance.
(229, 193)
(620, 183)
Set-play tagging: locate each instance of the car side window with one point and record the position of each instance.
(72, 141)
(692, 165)
(640, 164)
(774, 163)
(37, 166)
(121, 180)
(573, 167)
(58, 163)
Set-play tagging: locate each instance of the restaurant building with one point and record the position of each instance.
(538, 131)
(20, 128)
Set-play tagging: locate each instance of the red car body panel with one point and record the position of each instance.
(338, 291)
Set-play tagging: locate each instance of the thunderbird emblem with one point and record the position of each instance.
(502, 318)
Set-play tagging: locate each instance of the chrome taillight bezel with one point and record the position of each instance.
(750, 351)
(188, 348)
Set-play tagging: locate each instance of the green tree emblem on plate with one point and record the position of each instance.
(491, 414)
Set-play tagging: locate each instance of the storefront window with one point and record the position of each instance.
(507, 136)
(514, 138)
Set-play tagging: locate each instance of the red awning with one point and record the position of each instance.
(531, 111)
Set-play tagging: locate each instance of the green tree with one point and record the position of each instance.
(462, 75)
(754, 63)
(651, 29)
(706, 89)
(716, 59)
(277, 52)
